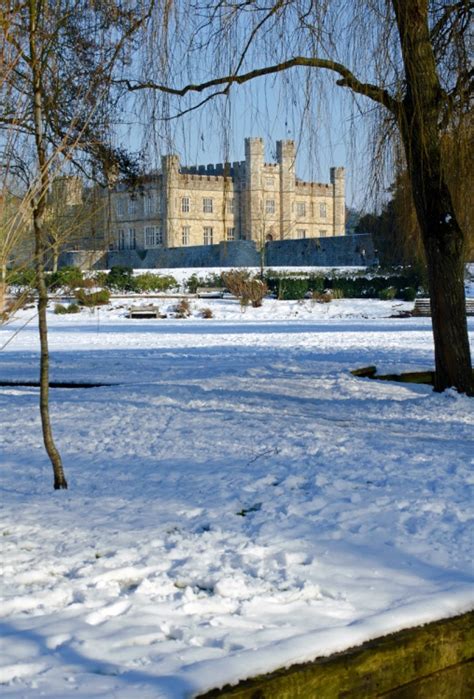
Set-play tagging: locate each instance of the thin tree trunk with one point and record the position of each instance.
(55, 458)
(55, 258)
(3, 288)
(443, 239)
(38, 215)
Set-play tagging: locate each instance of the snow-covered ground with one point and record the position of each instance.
(238, 500)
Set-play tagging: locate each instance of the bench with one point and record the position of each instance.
(143, 312)
(423, 307)
(210, 292)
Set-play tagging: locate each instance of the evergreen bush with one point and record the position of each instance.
(59, 309)
(408, 293)
(121, 279)
(148, 281)
(65, 278)
(21, 277)
(92, 299)
(388, 294)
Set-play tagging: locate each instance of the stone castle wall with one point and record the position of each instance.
(341, 251)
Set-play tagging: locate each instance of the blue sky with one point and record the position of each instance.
(320, 120)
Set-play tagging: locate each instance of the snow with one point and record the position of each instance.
(237, 500)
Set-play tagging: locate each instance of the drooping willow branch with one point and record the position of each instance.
(347, 79)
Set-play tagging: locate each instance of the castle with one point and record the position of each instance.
(206, 205)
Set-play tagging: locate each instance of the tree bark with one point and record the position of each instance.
(443, 239)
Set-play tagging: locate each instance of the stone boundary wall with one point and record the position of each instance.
(239, 253)
(342, 251)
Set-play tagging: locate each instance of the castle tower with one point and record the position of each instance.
(253, 214)
(170, 173)
(286, 156)
(338, 178)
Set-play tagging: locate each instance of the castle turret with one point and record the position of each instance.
(286, 156)
(252, 221)
(338, 179)
(170, 172)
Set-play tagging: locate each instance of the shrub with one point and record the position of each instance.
(21, 277)
(289, 287)
(248, 289)
(148, 281)
(256, 292)
(99, 278)
(121, 279)
(183, 309)
(59, 309)
(337, 293)
(65, 278)
(408, 293)
(388, 294)
(193, 283)
(207, 313)
(236, 280)
(95, 298)
(324, 297)
(292, 289)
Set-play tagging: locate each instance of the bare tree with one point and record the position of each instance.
(56, 100)
(408, 57)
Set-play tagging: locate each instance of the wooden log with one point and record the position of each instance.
(365, 372)
(434, 661)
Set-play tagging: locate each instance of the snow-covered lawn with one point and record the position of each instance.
(238, 500)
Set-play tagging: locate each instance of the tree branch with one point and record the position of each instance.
(348, 79)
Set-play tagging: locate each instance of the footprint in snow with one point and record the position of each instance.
(100, 615)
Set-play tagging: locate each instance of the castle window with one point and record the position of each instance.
(230, 206)
(300, 233)
(153, 236)
(207, 205)
(185, 205)
(208, 235)
(132, 205)
(301, 208)
(323, 234)
(185, 235)
(230, 234)
(157, 201)
(127, 240)
(269, 206)
(148, 204)
(120, 207)
(323, 210)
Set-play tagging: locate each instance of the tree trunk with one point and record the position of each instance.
(55, 458)
(443, 239)
(55, 257)
(3, 289)
(38, 215)
(444, 248)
